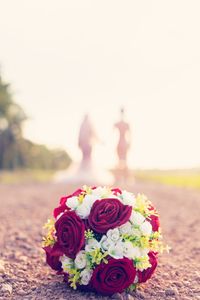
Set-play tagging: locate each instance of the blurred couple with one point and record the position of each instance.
(88, 137)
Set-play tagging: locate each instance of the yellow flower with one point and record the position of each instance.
(97, 256)
(142, 263)
(49, 239)
(144, 242)
(74, 277)
(142, 204)
(87, 189)
(81, 197)
(89, 234)
(49, 224)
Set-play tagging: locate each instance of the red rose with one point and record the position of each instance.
(116, 191)
(70, 233)
(146, 274)
(107, 214)
(155, 222)
(62, 207)
(64, 199)
(52, 257)
(113, 277)
(76, 193)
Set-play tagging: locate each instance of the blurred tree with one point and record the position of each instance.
(11, 118)
(17, 152)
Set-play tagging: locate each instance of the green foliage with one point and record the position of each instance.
(17, 152)
(40, 157)
(49, 238)
(97, 256)
(132, 287)
(89, 234)
(26, 176)
(74, 277)
(179, 178)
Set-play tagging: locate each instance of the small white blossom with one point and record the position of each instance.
(127, 198)
(125, 228)
(146, 228)
(116, 251)
(113, 234)
(80, 260)
(137, 218)
(83, 210)
(136, 279)
(66, 262)
(92, 244)
(85, 276)
(72, 202)
(106, 243)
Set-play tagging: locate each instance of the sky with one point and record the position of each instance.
(66, 58)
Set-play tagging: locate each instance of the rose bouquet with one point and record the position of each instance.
(103, 240)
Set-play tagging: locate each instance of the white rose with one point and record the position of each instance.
(66, 262)
(83, 210)
(116, 251)
(127, 198)
(92, 244)
(113, 234)
(144, 252)
(135, 252)
(146, 228)
(128, 249)
(85, 276)
(136, 232)
(136, 218)
(89, 200)
(101, 192)
(106, 243)
(72, 202)
(80, 260)
(125, 228)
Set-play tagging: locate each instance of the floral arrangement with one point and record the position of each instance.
(104, 240)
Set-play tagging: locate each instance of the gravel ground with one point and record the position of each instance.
(24, 274)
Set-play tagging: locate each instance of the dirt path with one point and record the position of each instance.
(24, 275)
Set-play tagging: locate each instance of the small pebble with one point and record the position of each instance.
(6, 288)
(129, 297)
(1, 279)
(179, 284)
(171, 292)
(117, 296)
(140, 294)
(22, 293)
(2, 268)
(23, 258)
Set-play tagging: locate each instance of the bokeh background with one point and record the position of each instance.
(69, 58)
